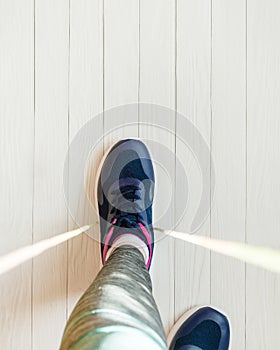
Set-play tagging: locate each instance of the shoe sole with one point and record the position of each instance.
(187, 315)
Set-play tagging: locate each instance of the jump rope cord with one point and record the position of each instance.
(263, 257)
(19, 256)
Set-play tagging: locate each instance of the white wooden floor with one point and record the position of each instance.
(64, 61)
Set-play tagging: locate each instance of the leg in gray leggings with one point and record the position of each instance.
(118, 310)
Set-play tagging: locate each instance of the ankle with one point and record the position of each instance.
(130, 240)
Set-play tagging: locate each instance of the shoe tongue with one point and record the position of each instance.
(131, 190)
(124, 183)
(127, 230)
(129, 182)
(127, 221)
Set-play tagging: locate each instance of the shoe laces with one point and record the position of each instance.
(126, 209)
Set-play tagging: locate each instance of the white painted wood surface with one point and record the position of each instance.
(120, 67)
(51, 142)
(63, 62)
(16, 171)
(157, 86)
(85, 101)
(263, 157)
(192, 264)
(229, 152)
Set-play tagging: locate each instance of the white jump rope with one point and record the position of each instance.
(263, 257)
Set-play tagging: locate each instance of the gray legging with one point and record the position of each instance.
(118, 310)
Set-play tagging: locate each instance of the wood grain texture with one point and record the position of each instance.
(263, 220)
(16, 166)
(51, 141)
(157, 86)
(192, 264)
(229, 153)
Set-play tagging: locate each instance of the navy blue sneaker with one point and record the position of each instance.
(202, 329)
(125, 195)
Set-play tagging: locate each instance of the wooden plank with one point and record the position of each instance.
(157, 86)
(85, 104)
(51, 140)
(16, 158)
(263, 222)
(229, 153)
(192, 264)
(120, 68)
